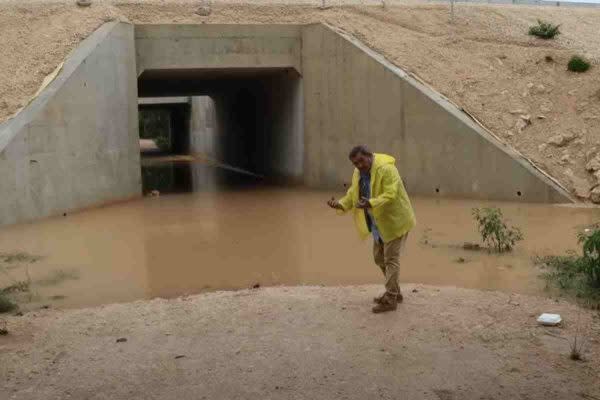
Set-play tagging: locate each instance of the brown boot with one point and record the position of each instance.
(388, 303)
(378, 299)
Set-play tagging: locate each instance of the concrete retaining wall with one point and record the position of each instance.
(353, 95)
(76, 144)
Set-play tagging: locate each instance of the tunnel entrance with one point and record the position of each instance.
(226, 122)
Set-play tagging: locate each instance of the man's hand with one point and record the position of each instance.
(333, 203)
(363, 203)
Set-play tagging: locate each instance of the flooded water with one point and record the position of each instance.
(232, 237)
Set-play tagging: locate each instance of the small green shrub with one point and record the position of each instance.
(578, 64)
(6, 305)
(576, 275)
(544, 30)
(494, 231)
(590, 265)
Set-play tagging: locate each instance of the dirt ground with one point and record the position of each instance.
(484, 61)
(304, 343)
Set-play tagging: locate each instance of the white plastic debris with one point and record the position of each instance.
(549, 319)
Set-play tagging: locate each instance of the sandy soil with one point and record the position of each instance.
(303, 343)
(484, 61)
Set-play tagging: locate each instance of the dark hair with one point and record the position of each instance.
(360, 149)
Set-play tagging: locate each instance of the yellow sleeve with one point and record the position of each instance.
(389, 181)
(346, 201)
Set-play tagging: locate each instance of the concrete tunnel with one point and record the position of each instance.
(248, 118)
(288, 100)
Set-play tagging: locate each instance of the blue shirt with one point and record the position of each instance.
(365, 191)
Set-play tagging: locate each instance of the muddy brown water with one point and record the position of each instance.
(231, 238)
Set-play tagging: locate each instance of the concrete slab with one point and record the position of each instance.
(217, 46)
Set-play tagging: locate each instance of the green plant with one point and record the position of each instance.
(576, 275)
(18, 286)
(590, 265)
(494, 231)
(6, 305)
(578, 64)
(544, 30)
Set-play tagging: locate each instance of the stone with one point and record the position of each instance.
(597, 177)
(572, 92)
(84, 3)
(565, 159)
(593, 165)
(542, 147)
(539, 89)
(580, 186)
(558, 140)
(523, 122)
(517, 111)
(595, 195)
(541, 117)
(590, 153)
(204, 11)
(569, 136)
(520, 125)
(529, 85)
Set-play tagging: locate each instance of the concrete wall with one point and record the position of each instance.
(284, 136)
(76, 144)
(217, 46)
(352, 96)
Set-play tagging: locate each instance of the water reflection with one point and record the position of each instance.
(180, 175)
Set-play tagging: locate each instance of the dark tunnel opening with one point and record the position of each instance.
(246, 123)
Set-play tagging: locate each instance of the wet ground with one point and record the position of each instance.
(227, 236)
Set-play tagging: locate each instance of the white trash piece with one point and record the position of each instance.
(549, 319)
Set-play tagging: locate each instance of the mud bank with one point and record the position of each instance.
(303, 343)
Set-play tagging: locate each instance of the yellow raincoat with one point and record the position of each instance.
(391, 208)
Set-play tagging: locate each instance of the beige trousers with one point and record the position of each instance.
(387, 257)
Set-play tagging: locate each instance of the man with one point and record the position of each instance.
(381, 208)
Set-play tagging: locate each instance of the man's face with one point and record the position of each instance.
(362, 162)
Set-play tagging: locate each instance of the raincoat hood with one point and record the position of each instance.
(380, 159)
